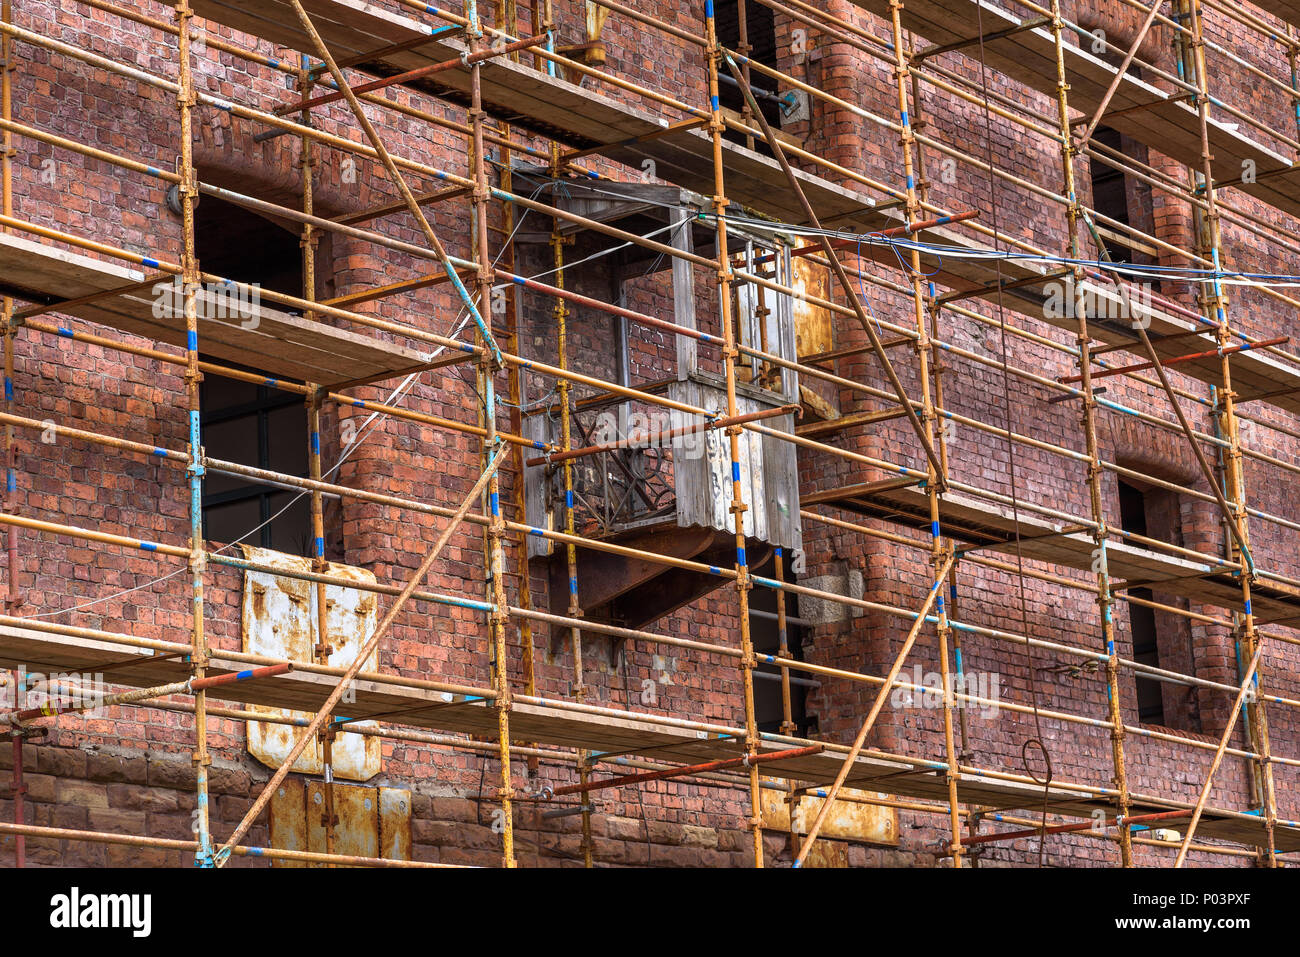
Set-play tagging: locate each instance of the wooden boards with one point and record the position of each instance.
(533, 100)
(548, 106)
(1286, 10)
(985, 523)
(1138, 109)
(247, 334)
(610, 731)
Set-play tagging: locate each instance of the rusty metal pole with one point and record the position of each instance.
(713, 56)
(511, 301)
(1105, 602)
(498, 618)
(940, 435)
(322, 650)
(190, 277)
(13, 597)
(564, 389)
(937, 478)
(1216, 309)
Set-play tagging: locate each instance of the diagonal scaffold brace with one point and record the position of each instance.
(323, 715)
(412, 203)
(876, 707)
(838, 268)
(1246, 685)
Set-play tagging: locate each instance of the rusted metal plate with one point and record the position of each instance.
(827, 854)
(288, 820)
(357, 810)
(848, 820)
(279, 618)
(372, 822)
(813, 327)
(395, 824)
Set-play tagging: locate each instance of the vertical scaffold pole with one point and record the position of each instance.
(936, 481)
(190, 278)
(499, 617)
(12, 596)
(941, 435)
(1105, 602)
(564, 389)
(713, 55)
(323, 649)
(509, 19)
(1215, 306)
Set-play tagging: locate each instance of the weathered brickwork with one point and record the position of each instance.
(128, 770)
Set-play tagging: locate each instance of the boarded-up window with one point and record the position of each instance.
(279, 619)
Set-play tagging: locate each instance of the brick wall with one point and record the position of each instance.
(129, 771)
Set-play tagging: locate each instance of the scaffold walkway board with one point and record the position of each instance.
(1286, 10)
(383, 42)
(521, 95)
(1164, 121)
(605, 730)
(978, 522)
(1256, 373)
(246, 332)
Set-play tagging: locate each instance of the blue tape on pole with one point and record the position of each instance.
(9, 389)
(320, 547)
(149, 546)
(735, 471)
(65, 331)
(244, 675)
(315, 443)
(151, 263)
(740, 557)
(192, 340)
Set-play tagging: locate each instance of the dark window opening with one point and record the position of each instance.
(265, 428)
(1123, 199)
(1142, 618)
(1110, 195)
(1161, 639)
(760, 29)
(769, 708)
(245, 422)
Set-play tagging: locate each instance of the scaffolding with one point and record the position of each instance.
(522, 101)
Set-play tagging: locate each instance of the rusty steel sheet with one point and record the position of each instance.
(827, 854)
(395, 824)
(848, 820)
(372, 822)
(357, 809)
(288, 820)
(813, 324)
(279, 618)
